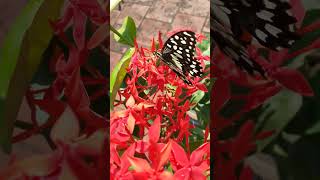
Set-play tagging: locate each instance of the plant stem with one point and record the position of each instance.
(118, 34)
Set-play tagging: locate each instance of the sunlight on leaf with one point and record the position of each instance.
(278, 111)
(118, 74)
(127, 31)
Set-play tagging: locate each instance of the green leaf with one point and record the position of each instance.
(127, 32)
(20, 56)
(196, 97)
(118, 74)
(278, 112)
(206, 52)
(310, 17)
(205, 44)
(11, 47)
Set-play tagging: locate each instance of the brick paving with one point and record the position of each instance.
(152, 16)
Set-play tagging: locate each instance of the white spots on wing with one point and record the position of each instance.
(178, 55)
(263, 36)
(169, 45)
(192, 66)
(266, 15)
(190, 47)
(291, 42)
(174, 42)
(180, 48)
(269, 4)
(291, 27)
(192, 39)
(176, 61)
(183, 42)
(186, 33)
(187, 50)
(194, 62)
(188, 55)
(179, 51)
(191, 73)
(272, 30)
(289, 12)
(185, 38)
(176, 37)
(175, 47)
(188, 59)
(279, 48)
(191, 43)
(194, 70)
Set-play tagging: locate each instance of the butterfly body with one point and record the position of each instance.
(178, 53)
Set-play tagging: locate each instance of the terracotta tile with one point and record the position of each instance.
(206, 27)
(136, 11)
(114, 59)
(188, 21)
(163, 11)
(114, 45)
(150, 28)
(196, 7)
(114, 16)
(142, 2)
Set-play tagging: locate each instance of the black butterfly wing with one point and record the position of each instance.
(234, 49)
(268, 21)
(178, 52)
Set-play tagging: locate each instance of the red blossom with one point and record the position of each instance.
(152, 117)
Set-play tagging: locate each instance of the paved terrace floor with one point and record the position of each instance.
(152, 16)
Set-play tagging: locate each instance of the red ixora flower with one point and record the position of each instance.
(150, 118)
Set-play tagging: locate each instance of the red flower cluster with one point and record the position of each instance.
(146, 136)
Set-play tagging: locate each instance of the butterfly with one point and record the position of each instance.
(178, 52)
(235, 24)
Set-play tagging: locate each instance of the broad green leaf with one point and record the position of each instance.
(127, 32)
(11, 47)
(118, 74)
(20, 56)
(310, 17)
(196, 97)
(278, 111)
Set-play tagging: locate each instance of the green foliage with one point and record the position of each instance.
(127, 33)
(20, 56)
(118, 74)
(278, 111)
